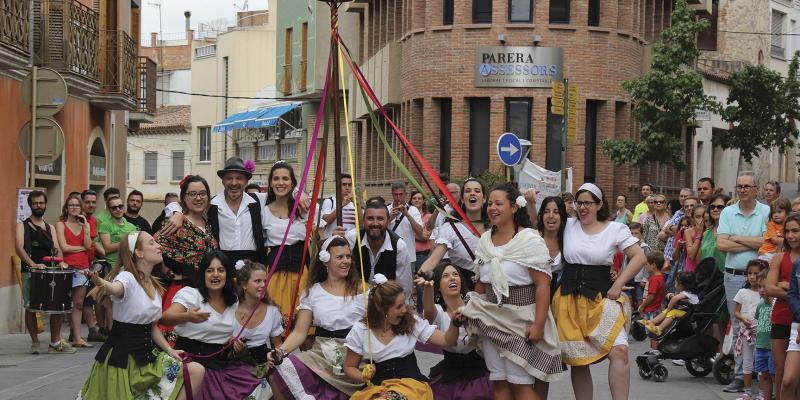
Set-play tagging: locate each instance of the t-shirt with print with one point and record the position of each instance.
(749, 299)
(763, 314)
(655, 286)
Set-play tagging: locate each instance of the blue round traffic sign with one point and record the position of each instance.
(509, 149)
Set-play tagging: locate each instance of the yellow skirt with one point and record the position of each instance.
(409, 389)
(587, 327)
(281, 289)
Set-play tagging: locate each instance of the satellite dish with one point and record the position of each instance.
(49, 140)
(51, 92)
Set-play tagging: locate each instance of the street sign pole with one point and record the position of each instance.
(564, 119)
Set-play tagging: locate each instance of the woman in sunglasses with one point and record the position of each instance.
(655, 222)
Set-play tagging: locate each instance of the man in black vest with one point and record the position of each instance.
(382, 250)
(35, 239)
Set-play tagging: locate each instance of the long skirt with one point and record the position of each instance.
(396, 389)
(233, 382)
(504, 326)
(283, 289)
(588, 328)
(479, 388)
(162, 379)
(316, 373)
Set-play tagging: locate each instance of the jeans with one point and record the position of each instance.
(732, 285)
(421, 257)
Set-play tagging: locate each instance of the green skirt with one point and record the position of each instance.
(161, 379)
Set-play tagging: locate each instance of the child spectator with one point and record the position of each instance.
(773, 237)
(655, 291)
(747, 300)
(693, 236)
(642, 277)
(764, 365)
(685, 284)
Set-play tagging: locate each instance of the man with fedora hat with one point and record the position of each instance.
(237, 218)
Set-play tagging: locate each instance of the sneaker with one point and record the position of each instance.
(35, 348)
(758, 397)
(679, 362)
(61, 347)
(737, 386)
(744, 396)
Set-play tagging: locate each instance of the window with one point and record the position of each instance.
(707, 39)
(594, 12)
(518, 117)
(267, 151)
(205, 143)
(447, 12)
(590, 142)
(303, 56)
(287, 62)
(289, 150)
(178, 158)
(150, 166)
(479, 135)
(559, 11)
(481, 11)
(163, 83)
(245, 151)
(520, 11)
(778, 47)
(445, 139)
(555, 124)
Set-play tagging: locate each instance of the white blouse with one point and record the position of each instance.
(442, 320)
(268, 328)
(597, 249)
(456, 251)
(276, 227)
(216, 329)
(399, 346)
(135, 307)
(332, 312)
(516, 274)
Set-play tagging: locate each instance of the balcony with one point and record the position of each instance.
(14, 33)
(383, 71)
(145, 92)
(118, 72)
(65, 38)
(701, 6)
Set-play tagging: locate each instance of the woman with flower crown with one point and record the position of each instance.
(183, 249)
(333, 301)
(509, 310)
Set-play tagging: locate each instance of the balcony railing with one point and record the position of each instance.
(146, 98)
(14, 30)
(286, 87)
(66, 36)
(119, 64)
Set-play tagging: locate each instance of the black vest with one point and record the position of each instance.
(38, 242)
(387, 261)
(255, 220)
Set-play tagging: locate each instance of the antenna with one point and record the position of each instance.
(244, 6)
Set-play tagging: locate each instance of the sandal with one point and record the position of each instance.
(83, 344)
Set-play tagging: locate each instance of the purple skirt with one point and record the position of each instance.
(234, 382)
(462, 389)
(296, 379)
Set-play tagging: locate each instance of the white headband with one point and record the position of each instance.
(132, 237)
(591, 187)
(324, 255)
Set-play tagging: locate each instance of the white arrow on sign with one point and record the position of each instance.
(511, 149)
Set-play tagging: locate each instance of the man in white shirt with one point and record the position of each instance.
(348, 209)
(405, 219)
(382, 251)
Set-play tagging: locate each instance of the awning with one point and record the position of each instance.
(260, 118)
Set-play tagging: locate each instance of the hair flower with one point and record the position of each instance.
(380, 279)
(239, 265)
(521, 201)
(250, 166)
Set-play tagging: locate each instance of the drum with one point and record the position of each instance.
(51, 291)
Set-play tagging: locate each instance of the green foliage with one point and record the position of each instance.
(762, 106)
(490, 178)
(666, 97)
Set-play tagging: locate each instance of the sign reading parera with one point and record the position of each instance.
(521, 66)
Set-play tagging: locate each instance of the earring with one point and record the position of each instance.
(438, 298)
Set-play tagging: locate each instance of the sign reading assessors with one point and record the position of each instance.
(518, 66)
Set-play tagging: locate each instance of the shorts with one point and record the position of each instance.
(780, 332)
(650, 315)
(764, 361)
(793, 345)
(78, 279)
(501, 368)
(674, 314)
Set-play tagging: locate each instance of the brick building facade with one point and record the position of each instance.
(420, 58)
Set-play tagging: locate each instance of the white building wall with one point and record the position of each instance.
(163, 145)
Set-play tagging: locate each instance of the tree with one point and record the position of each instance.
(666, 97)
(761, 107)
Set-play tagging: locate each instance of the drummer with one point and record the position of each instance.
(36, 239)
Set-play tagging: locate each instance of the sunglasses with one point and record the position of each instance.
(659, 202)
(716, 207)
(117, 208)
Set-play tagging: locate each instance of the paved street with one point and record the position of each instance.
(25, 376)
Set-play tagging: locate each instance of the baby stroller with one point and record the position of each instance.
(686, 339)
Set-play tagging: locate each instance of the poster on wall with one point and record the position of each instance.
(23, 210)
